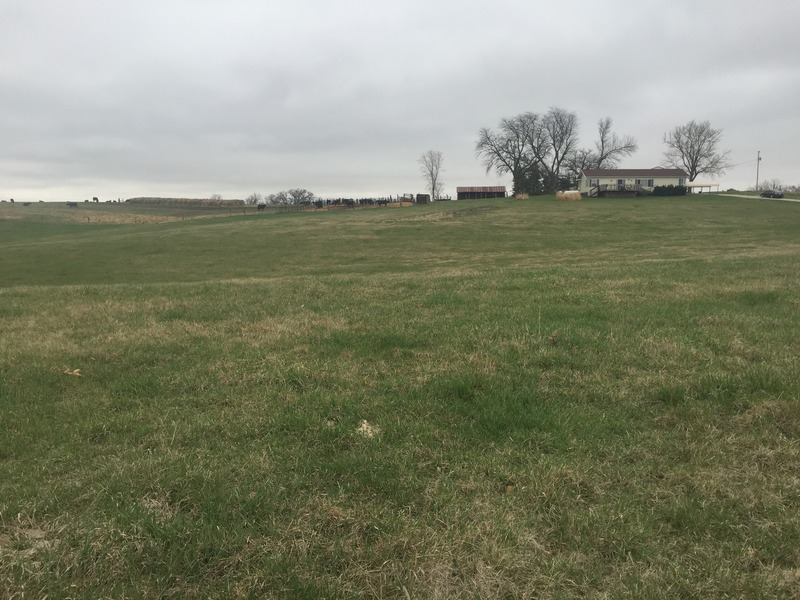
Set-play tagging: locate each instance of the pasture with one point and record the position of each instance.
(473, 399)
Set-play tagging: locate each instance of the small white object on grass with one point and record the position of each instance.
(367, 429)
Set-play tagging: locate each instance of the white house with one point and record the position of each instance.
(596, 182)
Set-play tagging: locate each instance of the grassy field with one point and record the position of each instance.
(488, 399)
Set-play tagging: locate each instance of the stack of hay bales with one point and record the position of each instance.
(568, 195)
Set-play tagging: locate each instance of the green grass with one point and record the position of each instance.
(568, 399)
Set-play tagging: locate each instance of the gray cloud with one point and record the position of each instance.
(193, 98)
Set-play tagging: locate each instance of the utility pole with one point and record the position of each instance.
(758, 164)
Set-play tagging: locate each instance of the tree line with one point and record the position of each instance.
(293, 197)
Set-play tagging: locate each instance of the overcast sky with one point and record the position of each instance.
(190, 98)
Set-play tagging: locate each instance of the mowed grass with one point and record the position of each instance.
(494, 399)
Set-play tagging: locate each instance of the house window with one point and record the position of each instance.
(645, 182)
(682, 181)
(594, 182)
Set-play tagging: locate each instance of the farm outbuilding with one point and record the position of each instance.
(473, 193)
(698, 187)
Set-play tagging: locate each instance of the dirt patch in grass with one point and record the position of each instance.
(454, 215)
(18, 543)
(159, 507)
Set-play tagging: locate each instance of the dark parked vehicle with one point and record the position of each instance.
(772, 194)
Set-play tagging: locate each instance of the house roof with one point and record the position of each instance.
(657, 172)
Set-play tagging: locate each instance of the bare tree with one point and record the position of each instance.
(577, 162)
(430, 164)
(215, 197)
(298, 196)
(509, 150)
(693, 147)
(770, 184)
(559, 137)
(254, 198)
(610, 147)
(277, 199)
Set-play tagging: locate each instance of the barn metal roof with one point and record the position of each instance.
(484, 189)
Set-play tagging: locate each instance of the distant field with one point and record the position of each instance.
(480, 399)
(112, 212)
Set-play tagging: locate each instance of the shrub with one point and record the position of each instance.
(669, 190)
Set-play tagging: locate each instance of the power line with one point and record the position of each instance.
(746, 162)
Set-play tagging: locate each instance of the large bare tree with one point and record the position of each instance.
(609, 149)
(298, 196)
(556, 141)
(532, 148)
(694, 148)
(541, 152)
(508, 150)
(430, 164)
